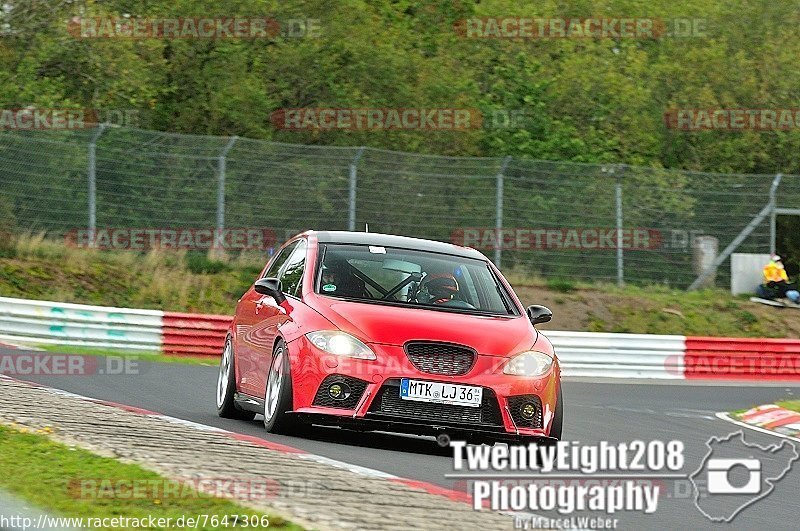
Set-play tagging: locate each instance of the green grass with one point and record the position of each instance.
(146, 356)
(561, 285)
(794, 405)
(706, 312)
(36, 268)
(48, 475)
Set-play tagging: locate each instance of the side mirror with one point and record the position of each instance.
(271, 287)
(539, 314)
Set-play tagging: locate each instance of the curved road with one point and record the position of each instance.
(614, 411)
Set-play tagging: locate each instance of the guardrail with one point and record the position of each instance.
(619, 355)
(582, 354)
(742, 359)
(42, 322)
(194, 334)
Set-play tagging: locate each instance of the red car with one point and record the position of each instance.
(376, 332)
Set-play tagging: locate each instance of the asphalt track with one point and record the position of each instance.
(614, 411)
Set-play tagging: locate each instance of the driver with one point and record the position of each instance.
(441, 287)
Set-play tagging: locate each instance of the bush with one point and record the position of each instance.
(201, 264)
(561, 285)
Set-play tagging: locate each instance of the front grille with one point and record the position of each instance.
(515, 405)
(388, 402)
(440, 358)
(357, 388)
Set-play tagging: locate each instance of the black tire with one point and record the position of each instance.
(279, 421)
(558, 420)
(226, 386)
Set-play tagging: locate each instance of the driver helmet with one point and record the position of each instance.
(441, 287)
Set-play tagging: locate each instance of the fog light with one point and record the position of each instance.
(339, 391)
(528, 411)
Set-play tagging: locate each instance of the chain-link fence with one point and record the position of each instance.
(557, 219)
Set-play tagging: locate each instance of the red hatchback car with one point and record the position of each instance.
(376, 332)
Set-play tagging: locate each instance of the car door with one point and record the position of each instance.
(249, 313)
(271, 315)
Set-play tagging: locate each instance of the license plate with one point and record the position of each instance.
(441, 393)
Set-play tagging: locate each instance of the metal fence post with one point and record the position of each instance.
(221, 169)
(773, 216)
(351, 208)
(747, 231)
(620, 228)
(92, 177)
(498, 216)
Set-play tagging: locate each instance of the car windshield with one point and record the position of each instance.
(414, 278)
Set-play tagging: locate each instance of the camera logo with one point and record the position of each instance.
(720, 483)
(735, 474)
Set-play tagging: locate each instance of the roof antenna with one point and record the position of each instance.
(366, 227)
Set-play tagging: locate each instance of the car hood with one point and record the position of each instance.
(392, 325)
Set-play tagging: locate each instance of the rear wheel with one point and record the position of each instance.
(226, 387)
(278, 398)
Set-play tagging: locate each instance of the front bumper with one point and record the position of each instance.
(377, 405)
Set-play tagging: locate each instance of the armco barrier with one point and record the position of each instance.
(742, 359)
(619, 355)
(42, 322)
(195, 334)
(581, 353)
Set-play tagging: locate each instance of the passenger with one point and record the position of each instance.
(776, 282)
(337, 279)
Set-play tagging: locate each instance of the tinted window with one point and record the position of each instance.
(413, 278)
(291, 274)
(279, 260)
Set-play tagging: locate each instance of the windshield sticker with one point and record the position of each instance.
(329, 287)
(374, 249)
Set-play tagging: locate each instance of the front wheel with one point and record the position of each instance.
(558, 420)
(278, 396)
(226, 387)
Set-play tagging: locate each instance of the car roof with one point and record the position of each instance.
(400, 242)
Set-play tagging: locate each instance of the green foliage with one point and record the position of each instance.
(593, 100)
(590, 100)
(561, 285)
(199, 264)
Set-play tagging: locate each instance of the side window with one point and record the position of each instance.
(283, 255)
(291, 274)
